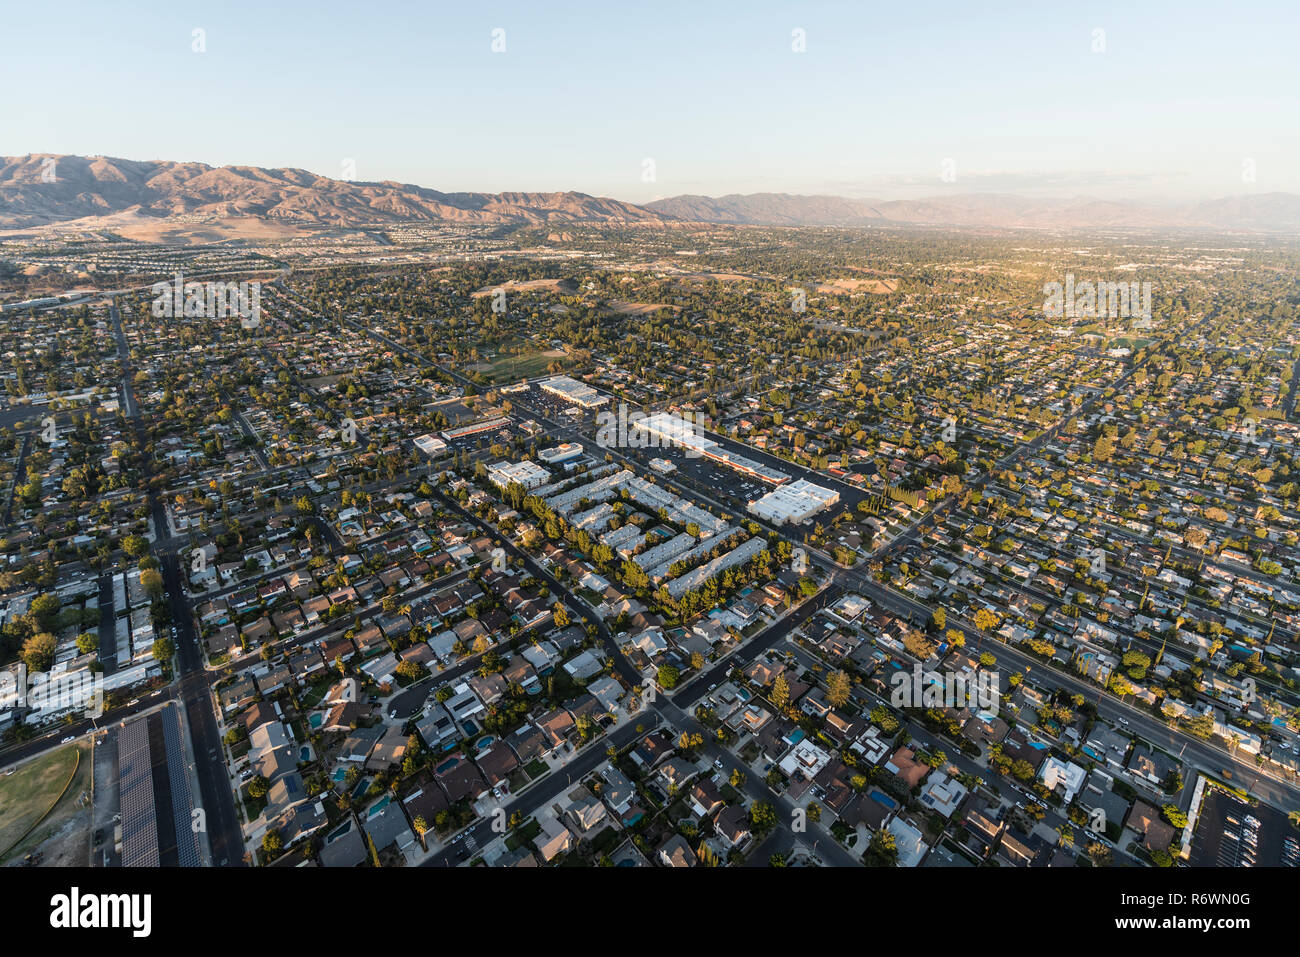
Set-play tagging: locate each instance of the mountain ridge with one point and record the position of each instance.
(99, 188)
(1265, 212)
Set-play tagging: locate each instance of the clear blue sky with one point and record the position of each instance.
(712, 92)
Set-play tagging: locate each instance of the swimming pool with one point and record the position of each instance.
(884, 799)
(378, 806)
(484, 741)
(447, 765)
(316, 720)
(339, 832)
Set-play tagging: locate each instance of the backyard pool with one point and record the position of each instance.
(339, 832)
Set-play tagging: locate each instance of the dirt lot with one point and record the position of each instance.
(840, 286)
(639, 308)
(528, 285)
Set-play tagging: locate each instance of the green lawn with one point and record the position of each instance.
(27, 794)
(528, 365)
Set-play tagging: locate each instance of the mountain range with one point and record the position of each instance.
(46, 189)
(1267, 212)
(96, 186)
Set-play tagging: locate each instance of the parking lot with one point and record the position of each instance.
(1231, 833)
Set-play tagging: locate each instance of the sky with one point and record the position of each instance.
(639, 101)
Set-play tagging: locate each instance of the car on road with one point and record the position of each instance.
(717, 763)
(69, 739)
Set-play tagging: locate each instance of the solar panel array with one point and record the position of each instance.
(139, 791)
(135, 796)
(187, 839)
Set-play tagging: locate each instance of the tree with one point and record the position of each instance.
(152, 582)
(44, 611)
(1100, 854)
(38, 651)
(410, 670)
(689, 741)
(668, 677)
(258, 787)
(135, 545)
(163, 650)
(939, 619)
(762, 816)
(882, 851)
(838, 688)
(1201, 725)
(272, 843)
(1174, 815)
(87, 642)
(780, 692)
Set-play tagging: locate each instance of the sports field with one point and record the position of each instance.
(30, 791)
